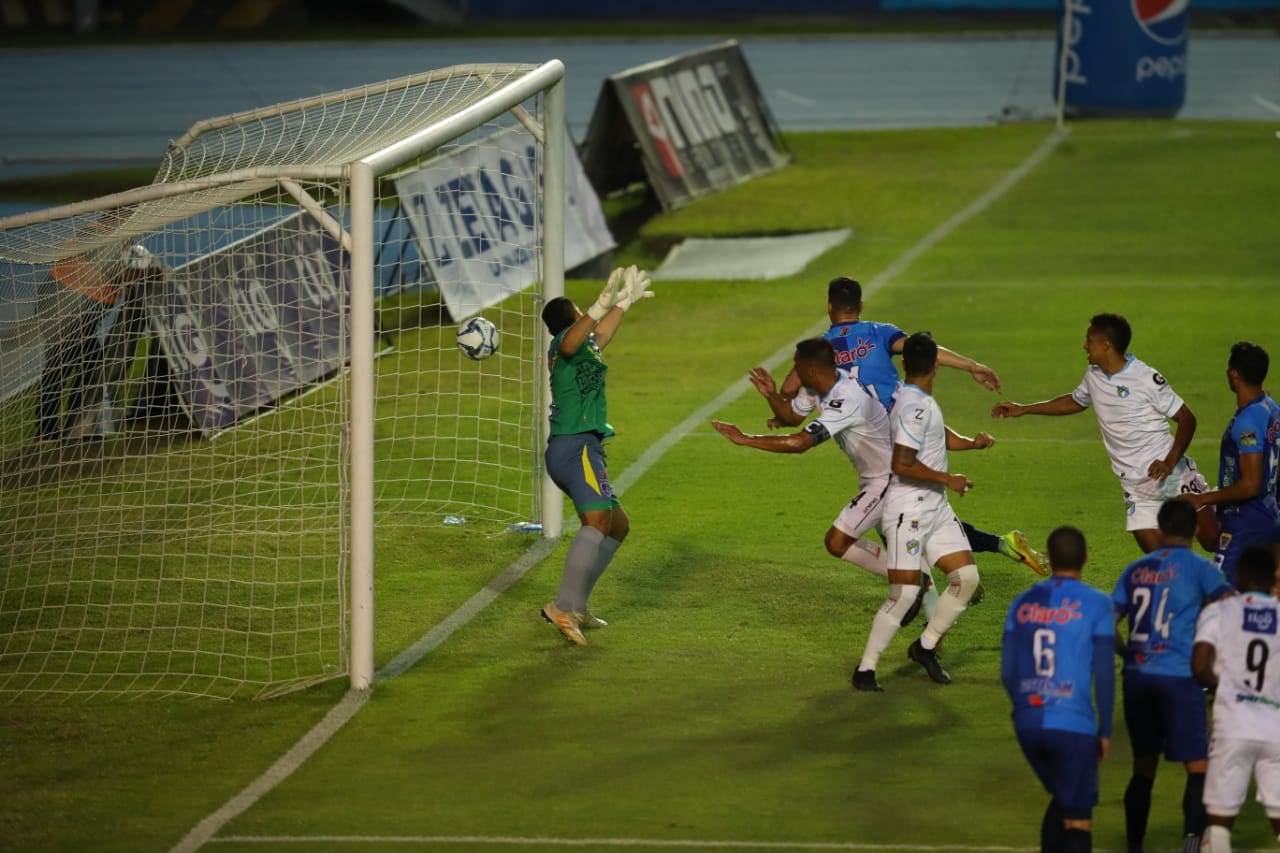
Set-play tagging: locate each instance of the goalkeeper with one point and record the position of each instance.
(575, 454)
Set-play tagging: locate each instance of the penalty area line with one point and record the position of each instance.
(354, 700)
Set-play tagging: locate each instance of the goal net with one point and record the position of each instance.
(214, 387)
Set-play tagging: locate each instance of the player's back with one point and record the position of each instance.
(1243, 632)
(1047, 654)
(864, 349)
(1161, 595)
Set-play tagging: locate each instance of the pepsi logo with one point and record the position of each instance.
(1163, 21)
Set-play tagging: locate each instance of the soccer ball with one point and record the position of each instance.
(478, 338)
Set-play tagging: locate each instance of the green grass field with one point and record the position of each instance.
(716, 706)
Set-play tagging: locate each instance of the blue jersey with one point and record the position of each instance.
(864, 350)
(1255, 428)
(1161, 594)
(1056, 658)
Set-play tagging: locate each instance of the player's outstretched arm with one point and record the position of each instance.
(628, 286)
(797, 442)
(1064, 404)
(983, 375)
(956, 441)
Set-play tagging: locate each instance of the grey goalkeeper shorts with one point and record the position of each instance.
(576, 464)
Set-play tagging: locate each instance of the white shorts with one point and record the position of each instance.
(1232, 762)
(1140, 512)
(921, 530)
(863, 513)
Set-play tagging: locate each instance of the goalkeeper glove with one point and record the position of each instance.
(608, 296)
(635, 287)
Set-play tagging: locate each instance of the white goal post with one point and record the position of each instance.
(226, 391)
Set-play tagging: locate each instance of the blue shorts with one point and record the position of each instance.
(1166, 714)
(1235, 537)
(1067, 765)
(576, 464)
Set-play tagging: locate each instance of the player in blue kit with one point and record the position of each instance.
(1160, 596)
(1056, 664)
(1248, 463)
(865, 350)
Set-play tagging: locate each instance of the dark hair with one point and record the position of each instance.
(1114, 328)
(1250, 361)
(817, 351)
(845, 294)
(558, 314)
(1177, 518)
(919, 354)
(1067, 548)
(1256, 570)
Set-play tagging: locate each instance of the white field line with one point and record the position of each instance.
(607, 842)
(204, 831)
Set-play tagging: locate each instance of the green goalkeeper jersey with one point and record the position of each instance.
(577, 389)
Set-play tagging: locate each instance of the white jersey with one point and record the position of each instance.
(1133, 408)
(856, 420)
(1243, 631)
(916, 422)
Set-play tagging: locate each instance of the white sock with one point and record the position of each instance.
(866, 554)
(930, 605)
(887, 622)
(960, 586)
(1216, 839)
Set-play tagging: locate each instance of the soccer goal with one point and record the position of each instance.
(217, 387)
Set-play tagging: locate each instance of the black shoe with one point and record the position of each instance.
(979, 593)
(914, 609)
(865, 679)
(928, 658)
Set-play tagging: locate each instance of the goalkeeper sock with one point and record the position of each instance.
(574, 583)
(608, 548)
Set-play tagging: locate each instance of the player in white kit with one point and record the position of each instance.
(1237, 651)
(1134, 405)
(920, 528)
(860, 426)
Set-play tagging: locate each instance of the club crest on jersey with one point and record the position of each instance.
(1122, 390)
(913, 547)
(1259, 621)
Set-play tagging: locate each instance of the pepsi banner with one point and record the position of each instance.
(247, 325)
(473, 216)
(698, 121)
(1122, 57)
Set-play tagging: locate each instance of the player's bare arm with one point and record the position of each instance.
(783, 414)
(907, 465)
(956, 441)
(1202, 657)
(1061, 405)
(1184, 431)
(983, 375)
(797, 442)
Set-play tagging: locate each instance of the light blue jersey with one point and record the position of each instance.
(1056, 658)
(864, 349)
(1161, 595)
